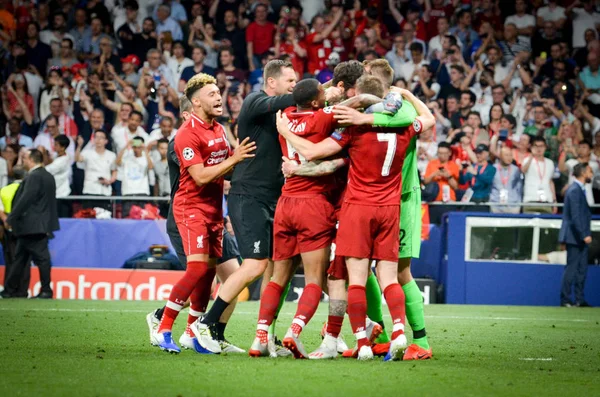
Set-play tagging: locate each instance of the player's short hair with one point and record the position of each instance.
(36, 156)
(198, 82)
(579, 169)
(19, 172)
(63, 141)
(162, 140)
(184, 104)
(305, 92)
(381, 69)
(274, 69)
(370, 85)
(348, 73)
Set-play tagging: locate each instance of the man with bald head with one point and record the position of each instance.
(507, 186)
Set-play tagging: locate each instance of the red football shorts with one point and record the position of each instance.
(337, 268)
(200, 236)
(369, 232)
(302, 224)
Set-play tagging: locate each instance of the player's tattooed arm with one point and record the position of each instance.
(311, 168)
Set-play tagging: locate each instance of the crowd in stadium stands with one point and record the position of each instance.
(514, 86)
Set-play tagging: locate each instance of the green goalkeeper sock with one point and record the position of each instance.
(415, 313)
(281, 300)
(374, 310)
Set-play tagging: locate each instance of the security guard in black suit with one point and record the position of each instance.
(33, 219)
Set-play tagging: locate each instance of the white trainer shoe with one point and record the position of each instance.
(276, 348)
(204, 337)
(228, 347)
(341, 344)
(397, 347)
(293, 344)
(327, 350)
(365, 353)
(258, 349)
(153, 324)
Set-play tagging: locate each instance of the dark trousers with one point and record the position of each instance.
(33, 247)
(575, 273)
(9, 245)
(64, 208)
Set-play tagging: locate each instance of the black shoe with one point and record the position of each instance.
(566, 304)
(583, 304)
(44, 295)
(6, 295)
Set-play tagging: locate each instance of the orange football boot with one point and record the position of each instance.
(416, 352)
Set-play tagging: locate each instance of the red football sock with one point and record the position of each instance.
(307, 306)
(394, 296)
(334, 325)
(268, 307)
(357, 311)
(181, 292)
(206, 284)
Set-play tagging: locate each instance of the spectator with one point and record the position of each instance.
(435, 49)
(505, 134)
(523, 150)
(524, 22)
(290, 45)
(233, 74)
(361, 46)
(452, 106)
(67, 125)
(319, 42)
(122, 135)
(135, 161)
(18, 97)
(11, 155)
(512, 44)
(408, 30)
(259, 36)
(147, 40)
(129, 69)
(162, 187)
(583, 152)
(444, 173)
(441, 123)
(54, 37)
(425, 88)
(584, 18)
(457, 76)
(498, 98)
(560, 86)
(60, 168)
(507, 186)
(397, 55)
(467, 100)
(552, 13)
(38, 52)
(178, 62)
(66, 56)
(198, 56)
(46, 139)
(411, 68)
(166, 23)
(157, 69)
(96, 9)
(230, 35)
(166, 131)
(177, 12)
(99, 166)
(463, 30)
(590, 77)
(480, 176)
(91, 43)
(538, 185)
(129, 30)
(495, 118)
(202, 34)
(426, 149)
(81, 31)
(14, 135)
(544, 39)
(480, 134)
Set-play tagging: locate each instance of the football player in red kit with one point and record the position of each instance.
(205, 157)
(370, 214)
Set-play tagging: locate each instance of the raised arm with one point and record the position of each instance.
(311, 151)
(271, 104)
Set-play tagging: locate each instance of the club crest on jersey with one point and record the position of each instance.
(337, 134)
(417, 126)
(200, 242)
(188, 153)
(328, 109)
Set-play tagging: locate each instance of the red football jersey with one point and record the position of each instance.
(376, 158)
(314, 126)
(197, 142)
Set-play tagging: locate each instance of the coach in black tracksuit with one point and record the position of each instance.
(256, 182)
(33, 219)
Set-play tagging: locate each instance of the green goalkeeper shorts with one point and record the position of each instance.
(410, 225)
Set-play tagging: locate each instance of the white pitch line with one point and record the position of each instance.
(292, 313)
(535, 359)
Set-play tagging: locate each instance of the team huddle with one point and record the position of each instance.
(351, 182)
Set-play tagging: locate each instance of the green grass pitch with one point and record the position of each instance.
(91, 348)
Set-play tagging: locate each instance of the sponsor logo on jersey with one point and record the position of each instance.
(188, 153)
(217, 157)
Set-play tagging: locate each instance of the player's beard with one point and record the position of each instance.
(209, 112)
